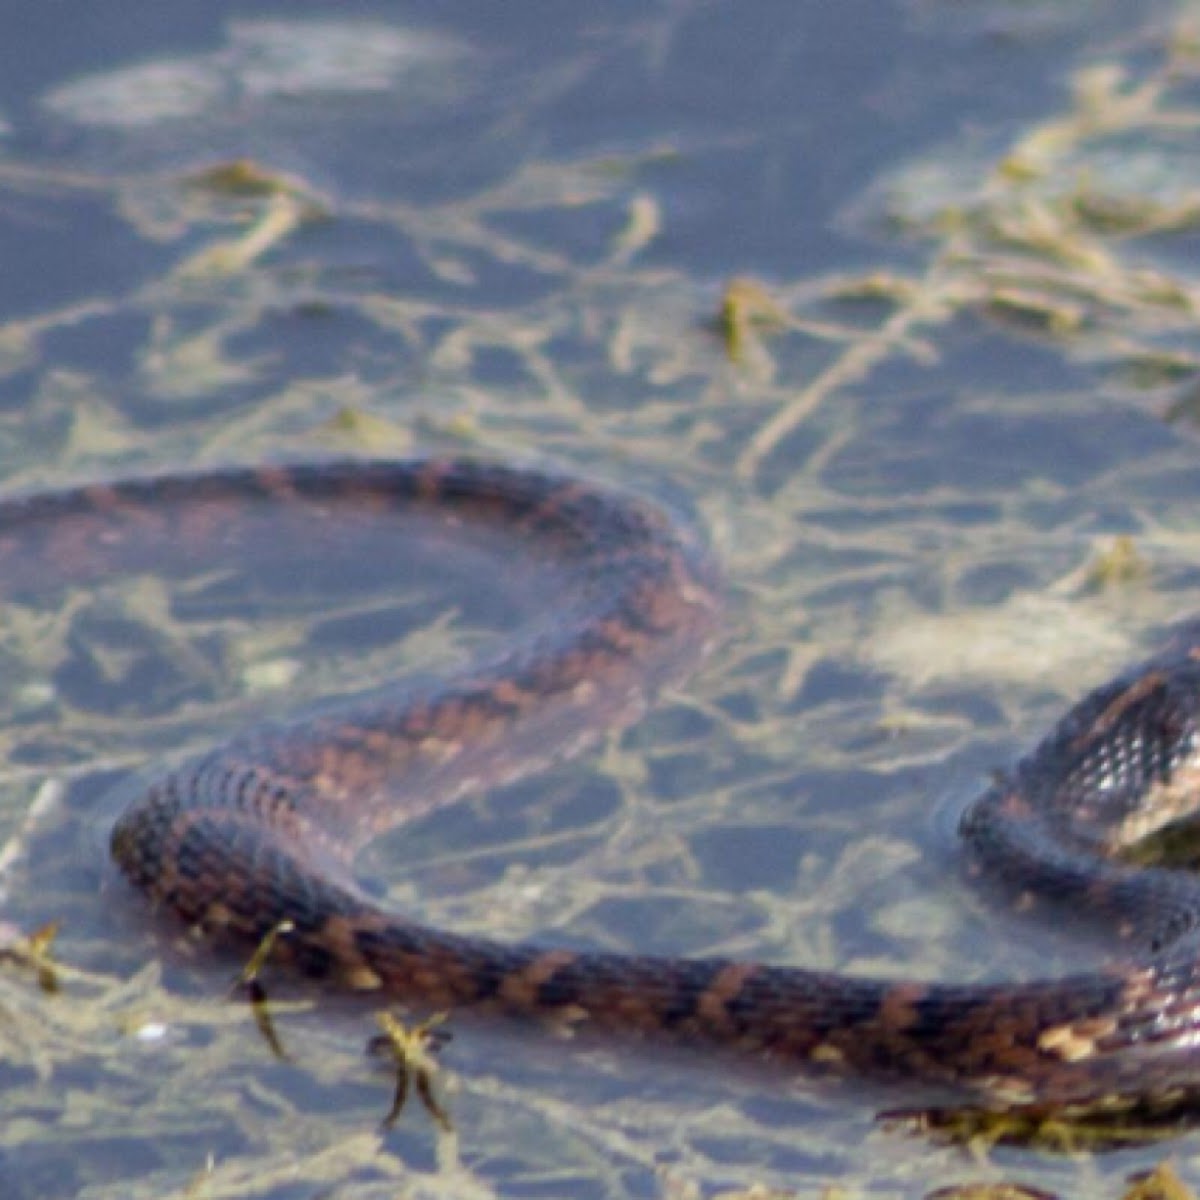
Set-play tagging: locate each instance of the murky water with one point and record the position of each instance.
(894, 299)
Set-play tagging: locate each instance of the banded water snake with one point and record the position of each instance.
(266, 827)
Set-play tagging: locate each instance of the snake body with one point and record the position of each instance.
(266, 827)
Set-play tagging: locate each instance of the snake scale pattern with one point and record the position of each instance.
(266, 827)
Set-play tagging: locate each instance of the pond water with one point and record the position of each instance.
(894, 300)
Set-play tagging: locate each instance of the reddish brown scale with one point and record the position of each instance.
(266, 827)
(198, 524)
(1139, 689)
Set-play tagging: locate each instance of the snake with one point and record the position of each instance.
(262, 832)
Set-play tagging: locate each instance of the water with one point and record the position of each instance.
(230, 234)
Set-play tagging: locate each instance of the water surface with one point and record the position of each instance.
(956, 362)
